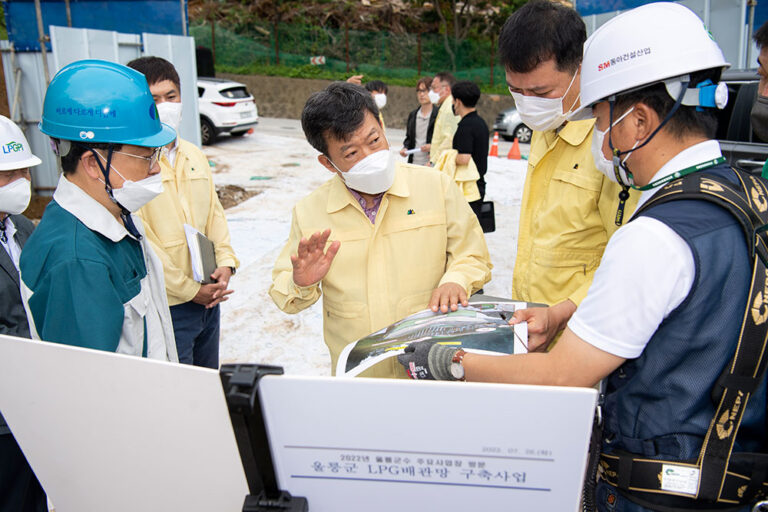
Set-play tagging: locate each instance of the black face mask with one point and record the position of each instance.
(759, 118)
(453, 108)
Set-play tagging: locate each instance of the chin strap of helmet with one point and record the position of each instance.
(125, 214)
(617, 153)
(624, 193)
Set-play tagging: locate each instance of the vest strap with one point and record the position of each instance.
(646, 475)
(712, 478)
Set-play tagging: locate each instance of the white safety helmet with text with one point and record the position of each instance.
(658, 42)
(15, 152)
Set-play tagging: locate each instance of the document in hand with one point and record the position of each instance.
(481, 327)
(202, 254)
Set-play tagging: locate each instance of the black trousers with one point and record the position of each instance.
(19, 489)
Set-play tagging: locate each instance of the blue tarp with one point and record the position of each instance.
(127, 16)
(588, 7)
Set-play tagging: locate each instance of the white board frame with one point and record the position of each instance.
(105, 431)
(343, 444)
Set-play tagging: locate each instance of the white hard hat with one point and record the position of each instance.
(647, 45)
(14, 148)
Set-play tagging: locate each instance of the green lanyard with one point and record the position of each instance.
(679, 174)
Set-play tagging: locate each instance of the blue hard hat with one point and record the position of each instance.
(99, 101)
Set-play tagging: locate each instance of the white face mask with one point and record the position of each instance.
(433, 97)
(170, 114)
(15, 196)
(542, 114)
(135, 194)
(604, 165)
(381, 100)
(373, 174)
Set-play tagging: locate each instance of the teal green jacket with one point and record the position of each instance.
(88, 283)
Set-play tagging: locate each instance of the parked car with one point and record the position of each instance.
(225, 107)
(509, 125)
(740, 146)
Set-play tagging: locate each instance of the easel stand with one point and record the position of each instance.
(240, 383)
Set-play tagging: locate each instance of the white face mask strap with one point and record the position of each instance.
(333, 164)
(625, 114)
(570, 109)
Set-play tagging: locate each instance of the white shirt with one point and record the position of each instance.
(646, 272)
(10, 246)
(172, 152)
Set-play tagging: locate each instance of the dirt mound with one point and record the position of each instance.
(232, 195)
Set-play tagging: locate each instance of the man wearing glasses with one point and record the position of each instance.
(89, 277)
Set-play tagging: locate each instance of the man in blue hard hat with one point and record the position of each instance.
(89, 277)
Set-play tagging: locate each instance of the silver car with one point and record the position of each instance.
(509, 125)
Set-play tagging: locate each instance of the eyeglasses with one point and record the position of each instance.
(422, 90)
(152, 159)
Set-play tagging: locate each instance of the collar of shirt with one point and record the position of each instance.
(89, 211)
(424, 116)
(340, 196)
(369, 212)
(696, 154)
(572, 132)
(169, 160)
(10, 245)
(173, 151)
(10, 227)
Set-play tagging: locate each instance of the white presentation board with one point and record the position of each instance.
(104, 431)
(378, 445)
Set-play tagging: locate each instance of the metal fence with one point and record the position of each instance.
(380, 54)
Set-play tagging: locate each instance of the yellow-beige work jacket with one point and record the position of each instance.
(567, 214)
(425, 234)
(188, 197)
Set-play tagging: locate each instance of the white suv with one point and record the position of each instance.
(225, 107)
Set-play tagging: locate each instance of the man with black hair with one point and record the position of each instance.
(569, 208)
(89, 276)
(404, 238)
(471, 137)
(188, 198)
(446, 121)
(675, 318)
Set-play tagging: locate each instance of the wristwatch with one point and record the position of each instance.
(457, 369)
(233, 269)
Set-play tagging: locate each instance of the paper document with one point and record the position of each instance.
(481, 327)
(412, 151)
(202, 254)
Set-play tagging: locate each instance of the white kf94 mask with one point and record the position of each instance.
(373, 174)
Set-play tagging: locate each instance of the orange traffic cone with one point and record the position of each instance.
(514, 151)
(495, 145)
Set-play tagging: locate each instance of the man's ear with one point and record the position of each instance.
(90, 166)
(326, 162)
(645, 120)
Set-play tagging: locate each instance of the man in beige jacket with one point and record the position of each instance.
(188, 197)
(404, 237)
